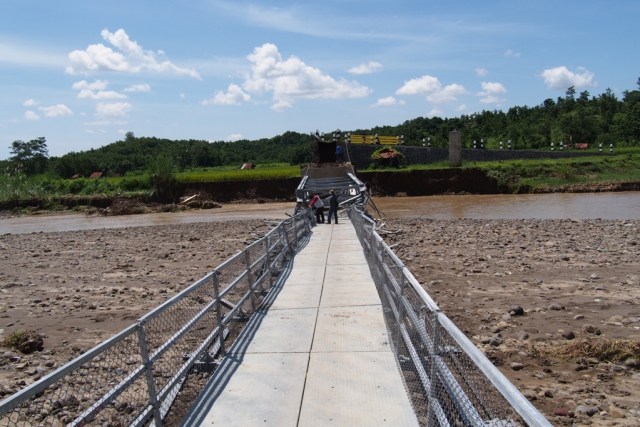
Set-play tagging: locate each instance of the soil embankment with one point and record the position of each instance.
(382, 183)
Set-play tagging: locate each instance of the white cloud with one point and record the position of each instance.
(31, 115)
(96, 90)
(102, 94)
(95, 85)
(431, 86)
(510, 53)
(562, 78)
(143, 87)
(421, 85)
(435, 112)
(447, 94)
(30, 103)
(368, 68)
(112, 110)
(56, 110)
(491, 93)
(388, 101)
(129, 57)
(234, 96)
(287, 81)
(235, 137)
(481, 72)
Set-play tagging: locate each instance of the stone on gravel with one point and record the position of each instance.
(516, 310)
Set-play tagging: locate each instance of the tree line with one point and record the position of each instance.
(573, 118)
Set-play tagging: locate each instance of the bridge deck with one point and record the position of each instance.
(321, 354)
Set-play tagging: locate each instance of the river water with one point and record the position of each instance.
(615, 206)
(623, 205)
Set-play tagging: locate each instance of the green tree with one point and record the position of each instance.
(163, 180)
(30, 156)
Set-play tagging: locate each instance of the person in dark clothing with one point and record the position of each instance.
(339, 153)
(333, 206)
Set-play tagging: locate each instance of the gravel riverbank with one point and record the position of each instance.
(576, 282)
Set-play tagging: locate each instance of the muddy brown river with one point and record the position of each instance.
(521, 206)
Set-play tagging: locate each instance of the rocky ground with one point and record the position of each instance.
(577, 283)
(555, 304)
(77, 288)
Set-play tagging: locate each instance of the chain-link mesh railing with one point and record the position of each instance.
(133, 378)
(450, 382)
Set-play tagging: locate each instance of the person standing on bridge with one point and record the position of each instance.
(339, 153)
(333, 206)
(317, 205)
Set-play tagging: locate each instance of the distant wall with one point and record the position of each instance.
(361, 154)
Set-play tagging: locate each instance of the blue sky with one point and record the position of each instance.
(83, 73)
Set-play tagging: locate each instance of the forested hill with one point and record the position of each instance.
(135, 153)
(574, 118)
(569, 119)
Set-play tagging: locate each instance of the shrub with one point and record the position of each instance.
(163, 181)
(27, 341)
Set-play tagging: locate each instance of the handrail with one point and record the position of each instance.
(131, 378)
(450, 381)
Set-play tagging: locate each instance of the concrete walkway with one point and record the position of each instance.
(321, 354)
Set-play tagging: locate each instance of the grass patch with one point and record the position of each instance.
(515, 174)
(27, 341)
(604, 350)
(261, 172)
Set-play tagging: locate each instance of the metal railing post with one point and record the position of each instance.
(250, 280)
(432, 356)
(267, 259)
(295, 232)
(218, 308)
(400, 305)
(148, 371)
(285, 239)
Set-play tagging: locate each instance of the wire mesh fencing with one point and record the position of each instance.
(450, 382)
(133, 378)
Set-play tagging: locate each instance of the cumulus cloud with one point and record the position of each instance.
(94, 85)
(388, 101)
(435, 112)
(57, 110)
(368, 68)
(233, 96)
(96, 90)
(431, 86)
(143, 87)
(235, 137)
(449, 93)
(31, 115)
(30, 103)
(421, 85)
(562, 78)
(112, 110)
(491, 93)
(287, 80)
(481, 72)
(127, 57)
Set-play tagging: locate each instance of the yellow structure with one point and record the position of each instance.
(376, 139)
